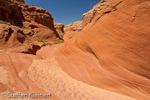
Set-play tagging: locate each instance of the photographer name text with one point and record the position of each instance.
(21, 95)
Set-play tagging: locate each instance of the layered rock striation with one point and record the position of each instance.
(33, 22)
(108, 59)
(10, 12)
(112, 52)
(37, 14)
(72, 29)
(87, 17)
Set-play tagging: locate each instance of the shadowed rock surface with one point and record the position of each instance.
(108, 59)
(11, 36)
(20, 21)
(112, 52)
(10, 12)
(59, 28)
(37, 14)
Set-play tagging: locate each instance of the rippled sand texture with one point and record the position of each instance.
(14, 76)
(108, 60)
(50, 77)
(3, 75)
(113, 51)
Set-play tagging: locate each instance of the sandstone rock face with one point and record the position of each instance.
(87, 17)
(112, 52)
(68, 35)
(14, 36)
(11, 36)
(9, 11)
(76, 26)
(16, 11)
(37, 14)
(27, 74)
(16, 43)
(16, 1)
(34, 22)
(72, 29)
(26, 48)
(109, 57)
(14, 76)
(20, 0)
(34, 31)
(59, 28)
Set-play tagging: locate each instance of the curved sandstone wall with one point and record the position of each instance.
(112, 52)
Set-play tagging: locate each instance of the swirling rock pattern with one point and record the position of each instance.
(88, 17)
(113, 51)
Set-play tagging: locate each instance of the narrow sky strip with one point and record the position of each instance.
(65, 11)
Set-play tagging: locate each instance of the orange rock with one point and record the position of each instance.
(87, 17)
(37, 14)
(76, 26)
(11, 12)
(32, 22)
(2, 87)
(59, 28)
(17, 65)
(35, 31)
(72, 29)
(11, 36)
(20, 0)
(112, 52)
(26, 48)
(68, 35)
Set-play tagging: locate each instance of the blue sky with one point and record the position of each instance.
(65, 11)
